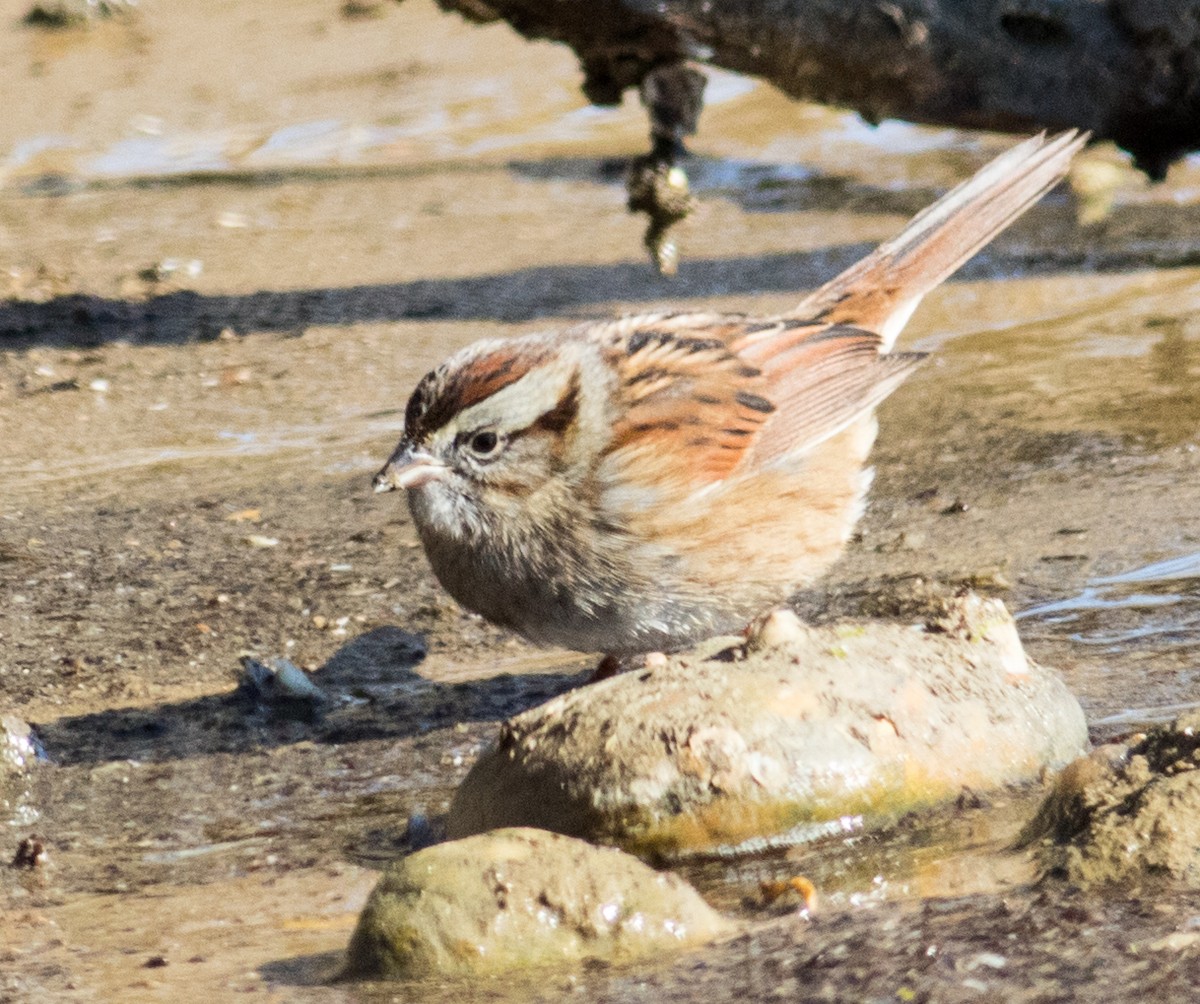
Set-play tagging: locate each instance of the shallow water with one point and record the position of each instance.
(234, 239)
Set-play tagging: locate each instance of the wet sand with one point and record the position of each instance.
(235, 237)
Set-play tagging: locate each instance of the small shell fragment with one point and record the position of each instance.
(279, 682)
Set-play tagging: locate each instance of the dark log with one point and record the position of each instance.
(1128, 70)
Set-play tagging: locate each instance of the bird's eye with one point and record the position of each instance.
(484, 443)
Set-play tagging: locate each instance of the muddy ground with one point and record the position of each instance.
(232, 238)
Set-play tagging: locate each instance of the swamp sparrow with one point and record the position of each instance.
(640, 484)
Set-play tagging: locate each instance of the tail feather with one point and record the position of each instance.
(881, 291)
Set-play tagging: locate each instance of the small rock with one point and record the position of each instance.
(727, 748)
(973, 618)
(235, 376)
(517, 898)
(990, 960)
(778, 628)
(30, 854)
(252, 515)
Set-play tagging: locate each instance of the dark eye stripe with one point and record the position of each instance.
(562, 416)
(558, 419)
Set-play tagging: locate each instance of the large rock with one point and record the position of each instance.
(1127, 814)
(734, 745)
(517, 898)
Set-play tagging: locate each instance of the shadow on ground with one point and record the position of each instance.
(374, 693)
(1133, 237)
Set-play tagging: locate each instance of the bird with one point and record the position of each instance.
(638, 485)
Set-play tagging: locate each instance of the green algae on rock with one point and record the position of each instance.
(1126, 813)
(518, 898)
(739, 744)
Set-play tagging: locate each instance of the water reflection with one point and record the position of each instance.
(1173, 582)
(1150, 612)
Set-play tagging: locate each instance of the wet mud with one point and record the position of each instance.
(1125, 815)
(233, 239)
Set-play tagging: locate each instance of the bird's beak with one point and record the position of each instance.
(408, 468)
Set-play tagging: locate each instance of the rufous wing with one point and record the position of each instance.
(821, 378)
(694, 410)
